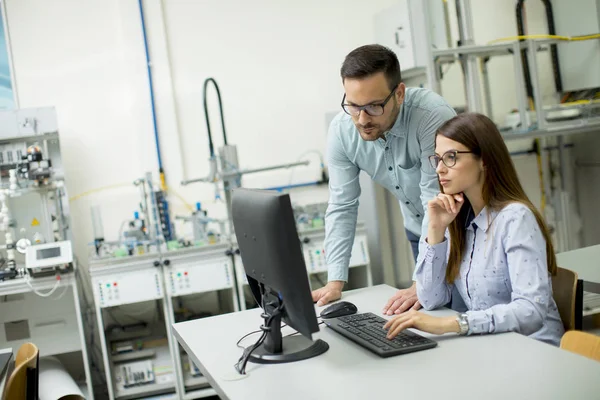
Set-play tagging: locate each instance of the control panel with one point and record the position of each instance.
(187, 278)
(128, 287)
(314, 257)
(314, 254)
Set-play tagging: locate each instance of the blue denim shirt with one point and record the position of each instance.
(399, 163)
(503, 279)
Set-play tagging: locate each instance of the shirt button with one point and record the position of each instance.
(390, 168)
(387, 148)
(418, 216)
(397, 187)
(408, 202)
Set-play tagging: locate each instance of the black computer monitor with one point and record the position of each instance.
(272, 255)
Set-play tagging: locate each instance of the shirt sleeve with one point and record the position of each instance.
(429, 183)
(525, 249)
(342, 211)
(432, 289)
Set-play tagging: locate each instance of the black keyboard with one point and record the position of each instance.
(367, 330)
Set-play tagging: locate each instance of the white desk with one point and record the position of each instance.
(495, 366)
(586, 262)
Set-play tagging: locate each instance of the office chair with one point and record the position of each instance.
(582, 343)
(568, 295)
(23, 382)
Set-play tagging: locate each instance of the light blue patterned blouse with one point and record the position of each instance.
(503, 280)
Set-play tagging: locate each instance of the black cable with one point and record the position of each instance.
(553, 47)
(240, 366)
(251, 333)
(210, 142)
(524, 62)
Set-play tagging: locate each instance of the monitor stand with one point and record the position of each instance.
(278, 349)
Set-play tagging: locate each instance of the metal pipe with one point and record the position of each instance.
(149, 67)
(423, 18)
(520, 84)
(245, 171)
(537, 92)
(562, 163)
(188, 181)
(252, 171)
(471, 70)
(487, 90)
(447, 22)
(211, 147)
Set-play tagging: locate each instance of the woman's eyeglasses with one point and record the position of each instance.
(448, 158)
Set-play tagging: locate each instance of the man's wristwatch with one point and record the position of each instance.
(463, 323)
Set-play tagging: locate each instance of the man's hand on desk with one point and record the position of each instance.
(402, 301)
(422, 322)
(328, 293)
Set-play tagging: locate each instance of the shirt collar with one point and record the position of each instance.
(396, 129)
(482, 221)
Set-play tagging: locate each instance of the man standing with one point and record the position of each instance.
(388, 131)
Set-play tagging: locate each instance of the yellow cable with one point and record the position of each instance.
(100, 189)
(580, 102)
(180, 197)
(119, 185)
(557, 37)
(163, 181)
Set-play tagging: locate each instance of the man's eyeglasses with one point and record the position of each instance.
(374, 110)
(448, 158)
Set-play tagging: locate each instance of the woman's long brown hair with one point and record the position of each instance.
(501, 185)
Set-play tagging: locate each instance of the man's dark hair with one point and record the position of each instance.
(372, 59)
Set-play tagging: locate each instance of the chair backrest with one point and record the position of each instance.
(27, 353)
(23, 382)
(564, 288)
(16, 385)
(582, 343)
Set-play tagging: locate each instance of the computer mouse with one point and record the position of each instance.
(339, 310)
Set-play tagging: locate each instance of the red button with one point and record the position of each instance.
(115, 284)
(185, 273)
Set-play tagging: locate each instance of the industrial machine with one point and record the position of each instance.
(38, 277)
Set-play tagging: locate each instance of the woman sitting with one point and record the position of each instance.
(486, 238)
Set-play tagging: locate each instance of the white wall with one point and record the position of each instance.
(277, 65)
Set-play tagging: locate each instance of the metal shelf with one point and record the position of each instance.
(197, 394)
(490, 50)
(146, 390)
(554, 131)
(30, 138)
(190, 381)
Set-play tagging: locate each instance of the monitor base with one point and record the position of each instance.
(294, 348)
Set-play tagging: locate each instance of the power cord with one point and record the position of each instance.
(240, 366)
(251, 333)
(47, 294)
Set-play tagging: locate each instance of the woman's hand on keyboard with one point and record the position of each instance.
(422, 322)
